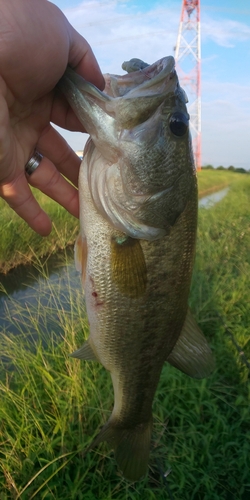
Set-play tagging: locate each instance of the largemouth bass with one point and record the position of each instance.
(135, 251)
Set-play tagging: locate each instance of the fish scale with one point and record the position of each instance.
(138, 219)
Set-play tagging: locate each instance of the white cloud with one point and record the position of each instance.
(225, 124)
(117, 32)
(224, 32)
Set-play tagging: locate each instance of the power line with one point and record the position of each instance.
(131, 37)
(123, 17)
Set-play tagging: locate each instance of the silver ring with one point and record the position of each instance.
(33, 162)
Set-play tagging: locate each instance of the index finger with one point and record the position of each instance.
(19, 197)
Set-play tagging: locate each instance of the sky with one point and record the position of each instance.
(119, 30)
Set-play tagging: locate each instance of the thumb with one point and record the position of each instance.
(82, 59)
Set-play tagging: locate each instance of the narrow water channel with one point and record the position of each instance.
(213, 198)
(31, 287)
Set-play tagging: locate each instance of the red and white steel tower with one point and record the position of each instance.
(188, 62)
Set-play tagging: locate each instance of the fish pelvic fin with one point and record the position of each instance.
(128, 266)
(81, 253)
(191, 353)
(131, 446)
(85, 352)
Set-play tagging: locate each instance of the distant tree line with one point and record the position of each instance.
(239, 170)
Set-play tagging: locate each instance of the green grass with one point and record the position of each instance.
(21, 244)
(52, 405)
(210, 180)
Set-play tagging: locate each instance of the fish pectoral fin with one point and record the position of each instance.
(128, 266)
(85, 352)
(81, 252)
(131, 446)
(191, 353)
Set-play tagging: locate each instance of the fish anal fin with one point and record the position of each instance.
(191, 353)
(131, 446)
(128, 266)
(85, 352)
(81, 253)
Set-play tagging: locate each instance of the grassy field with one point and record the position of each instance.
(213, 180)
(20, 244)
(52, 405)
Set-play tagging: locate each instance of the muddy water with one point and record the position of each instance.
(31, 287)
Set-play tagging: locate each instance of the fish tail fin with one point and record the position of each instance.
(131, 446)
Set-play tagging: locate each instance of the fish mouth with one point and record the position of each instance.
(133, 98)
(128, 100)
(157, 78)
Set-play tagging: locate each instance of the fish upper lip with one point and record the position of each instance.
(160, 70)
(158, 74)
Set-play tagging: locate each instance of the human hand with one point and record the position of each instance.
(36, 45)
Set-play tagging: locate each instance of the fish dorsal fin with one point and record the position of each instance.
(192, 354)
(85, 352)
(128, 266)
(81, 255)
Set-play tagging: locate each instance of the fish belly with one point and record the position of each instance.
(133, 336)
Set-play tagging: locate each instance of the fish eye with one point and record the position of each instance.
(178, 123)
